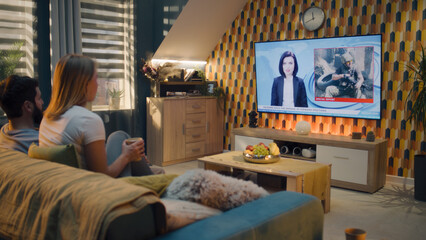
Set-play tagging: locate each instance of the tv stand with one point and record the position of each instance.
(356, 163)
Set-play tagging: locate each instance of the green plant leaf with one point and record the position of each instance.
(220, 94)
(417, 94)
(115, 93)
(9, 59)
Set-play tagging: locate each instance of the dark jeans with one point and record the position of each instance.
(113, 151)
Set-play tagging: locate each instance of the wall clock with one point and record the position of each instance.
(313, 18)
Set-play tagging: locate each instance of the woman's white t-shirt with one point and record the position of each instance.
(78, 126)
(288, 100)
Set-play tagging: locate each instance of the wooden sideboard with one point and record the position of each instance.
(180, 129)
(356, 163)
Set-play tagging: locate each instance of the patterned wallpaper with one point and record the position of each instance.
(402, 25)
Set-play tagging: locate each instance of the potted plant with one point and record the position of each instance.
(115, 96)
(9, 59)
(220, 94)
(416, 106)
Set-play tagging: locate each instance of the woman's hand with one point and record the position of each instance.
(135, 151)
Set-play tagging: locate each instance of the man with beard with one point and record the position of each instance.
(20, 99)
(348, 79)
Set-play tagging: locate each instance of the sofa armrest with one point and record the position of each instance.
(144, 224)
(281, 215)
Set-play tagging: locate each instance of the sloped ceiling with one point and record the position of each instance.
(198, 29)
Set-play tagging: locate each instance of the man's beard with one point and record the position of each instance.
(37, 115)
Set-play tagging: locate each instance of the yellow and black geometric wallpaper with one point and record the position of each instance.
(402, 25)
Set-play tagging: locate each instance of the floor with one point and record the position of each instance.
(391, 213)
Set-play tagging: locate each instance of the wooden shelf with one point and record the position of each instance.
(178, 87)
(356, 163)
(311, 138)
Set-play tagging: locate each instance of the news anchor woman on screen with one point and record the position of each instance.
(288, 90)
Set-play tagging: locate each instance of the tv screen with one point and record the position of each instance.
(338, 76)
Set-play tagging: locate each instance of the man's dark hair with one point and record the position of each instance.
(14, 91)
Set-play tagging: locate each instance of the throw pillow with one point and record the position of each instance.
(65, 154)
(181, 213)
(212, 189)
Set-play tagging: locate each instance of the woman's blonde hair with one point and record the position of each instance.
(72, 75)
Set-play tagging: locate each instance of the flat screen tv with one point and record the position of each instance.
(338, 76)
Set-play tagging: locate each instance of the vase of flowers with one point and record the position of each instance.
(160, 73)
(152, 73)
(155, 88)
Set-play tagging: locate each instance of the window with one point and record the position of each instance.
(17, 32)
(171, 11)
(107, 36)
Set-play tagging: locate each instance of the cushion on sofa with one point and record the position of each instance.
(212, 189)
(65, 154)
(180, 213)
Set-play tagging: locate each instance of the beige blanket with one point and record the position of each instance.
(157, 183)
(43, 200)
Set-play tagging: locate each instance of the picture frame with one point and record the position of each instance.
(211, 85)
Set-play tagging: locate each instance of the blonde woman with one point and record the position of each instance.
(66, 120)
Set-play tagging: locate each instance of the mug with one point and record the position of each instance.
(308, 152)
(132, 140)
(297, 151)
(355, 234)
(284, 150)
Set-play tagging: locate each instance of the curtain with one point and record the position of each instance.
(66, 29)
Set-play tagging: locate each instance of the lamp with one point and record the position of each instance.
(181, 63)
(303, 128)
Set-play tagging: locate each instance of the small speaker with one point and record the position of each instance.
(356, 135)
(370, 136)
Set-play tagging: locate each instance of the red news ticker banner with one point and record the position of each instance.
(326, 99)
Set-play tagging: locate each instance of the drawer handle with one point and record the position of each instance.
(196, 106)
(345, 158)
(196, 121)
(196, 136)
(196, 149)
(183, 129)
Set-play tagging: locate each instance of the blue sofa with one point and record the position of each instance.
(45, 200)
(282, 215)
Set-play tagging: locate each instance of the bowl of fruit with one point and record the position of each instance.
(260, 153)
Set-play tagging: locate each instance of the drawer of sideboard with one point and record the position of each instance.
(194, 149)
(195, 134)
(194, 120)
(349, 165)
(195, 106)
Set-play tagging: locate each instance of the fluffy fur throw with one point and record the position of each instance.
(212, 189)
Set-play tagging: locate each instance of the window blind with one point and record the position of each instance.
(107, 36)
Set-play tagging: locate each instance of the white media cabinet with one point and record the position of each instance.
(356, 163)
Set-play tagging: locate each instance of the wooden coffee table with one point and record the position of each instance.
(301, 176)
